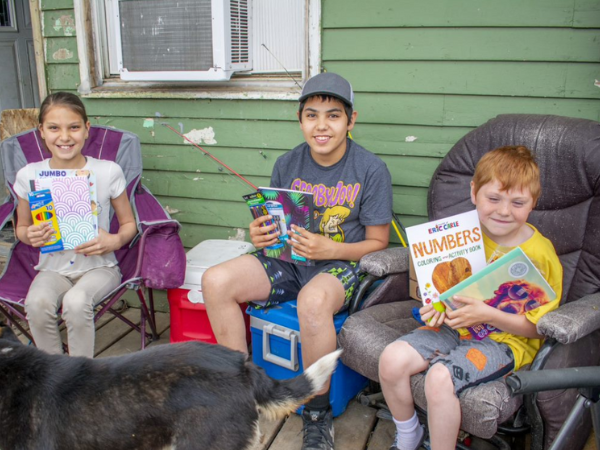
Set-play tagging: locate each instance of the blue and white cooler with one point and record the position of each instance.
(277, 348)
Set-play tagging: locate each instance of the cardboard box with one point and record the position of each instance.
(277, 348)
(189, 320)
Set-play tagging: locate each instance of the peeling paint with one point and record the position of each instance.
(62, 54)
(197, 136)
(410, 138)
(597, 83)
(171, 210)
(240, 235)
(148, 123)
(66, 23)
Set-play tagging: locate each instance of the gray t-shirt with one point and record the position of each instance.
(353, 193)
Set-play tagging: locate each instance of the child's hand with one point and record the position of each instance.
(39, 235)
(259, 234)
(473, 313)
(101, 245)
(310, 245)
(429, 312)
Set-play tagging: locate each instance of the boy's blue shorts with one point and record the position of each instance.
(287, 279)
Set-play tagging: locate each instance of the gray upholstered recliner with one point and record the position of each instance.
(568, 213)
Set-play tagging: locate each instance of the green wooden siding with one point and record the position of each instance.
(435, 71)
(425, 74)
(60, 45)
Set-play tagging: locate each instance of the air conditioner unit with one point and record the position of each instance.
(183, 40)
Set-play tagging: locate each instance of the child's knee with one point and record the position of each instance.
(214, 279)
(438, 383)
(40, 307)
(394, 362)
(77, 305)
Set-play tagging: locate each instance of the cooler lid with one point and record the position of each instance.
(215, 251)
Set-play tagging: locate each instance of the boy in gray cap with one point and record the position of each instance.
(353, 197)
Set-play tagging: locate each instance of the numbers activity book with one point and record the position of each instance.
(445, 252)
(287, 207)
(512, 284)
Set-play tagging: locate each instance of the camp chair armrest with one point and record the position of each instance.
(572, 321)
(385, 262)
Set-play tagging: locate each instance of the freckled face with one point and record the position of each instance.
(64, 133)
(325, 126)
(503, 213)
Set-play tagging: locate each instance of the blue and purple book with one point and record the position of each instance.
(288, 208)
(512, 284)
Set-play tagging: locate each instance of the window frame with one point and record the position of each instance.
(13, 19)
(95, 82)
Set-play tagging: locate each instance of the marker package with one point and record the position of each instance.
(256, 203)
(42, 210)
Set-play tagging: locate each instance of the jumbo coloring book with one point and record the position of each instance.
(75, 200)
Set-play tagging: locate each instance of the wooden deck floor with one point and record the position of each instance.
(358, 428)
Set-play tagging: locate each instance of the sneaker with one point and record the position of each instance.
(318, 430)
(422, 442)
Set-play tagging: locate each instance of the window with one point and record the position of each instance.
(7, 16)
(205, 40)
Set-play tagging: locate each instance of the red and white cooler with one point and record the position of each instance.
(189, 321)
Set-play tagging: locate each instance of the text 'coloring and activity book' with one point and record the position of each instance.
(287, 207)
(75, 201)
(511, 284)
(445, 252)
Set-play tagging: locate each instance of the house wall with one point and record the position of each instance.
(424, 75)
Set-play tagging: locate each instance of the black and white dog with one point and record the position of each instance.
(190, 396)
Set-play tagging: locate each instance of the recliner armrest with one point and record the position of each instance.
(572, 321)
(385, 262)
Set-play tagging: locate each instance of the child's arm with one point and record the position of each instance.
(475, 312)
(34, 235)
(107, 242)
(318, 247)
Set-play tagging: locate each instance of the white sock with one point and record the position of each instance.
(408, 433)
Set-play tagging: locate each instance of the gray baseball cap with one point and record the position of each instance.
(328, 83)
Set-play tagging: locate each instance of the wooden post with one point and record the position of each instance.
(38, 46)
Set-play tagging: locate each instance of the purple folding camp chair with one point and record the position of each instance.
(155, 259)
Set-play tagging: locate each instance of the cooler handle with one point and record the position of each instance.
(288, 335)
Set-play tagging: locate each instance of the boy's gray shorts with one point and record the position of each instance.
(469, 361)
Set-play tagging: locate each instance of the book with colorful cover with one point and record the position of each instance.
(75, 200)
(445, 252)
(512, 284)
(287, 207)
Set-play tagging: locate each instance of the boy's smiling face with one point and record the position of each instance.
(325, 125)
(503, 214)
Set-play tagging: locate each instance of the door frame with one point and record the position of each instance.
(38, 47)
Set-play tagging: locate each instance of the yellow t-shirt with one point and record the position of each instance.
(541, 252)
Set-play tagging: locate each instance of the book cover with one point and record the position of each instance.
(288, 207)
(73, 206)
(512, 284)
(43, 180)
(445, 252)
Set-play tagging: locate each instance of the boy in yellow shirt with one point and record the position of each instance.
(504, 189)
